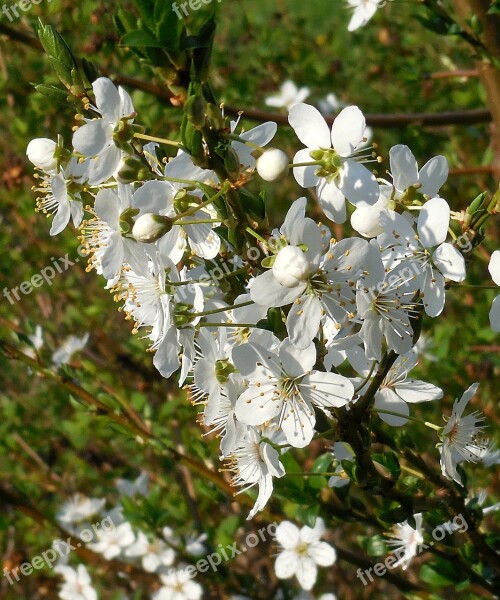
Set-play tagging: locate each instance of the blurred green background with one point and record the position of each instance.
(51, 446)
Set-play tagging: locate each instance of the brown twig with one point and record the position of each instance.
(462, 117)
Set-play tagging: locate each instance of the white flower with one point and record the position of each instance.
(272, 165)
(405, 173)
(77, 584)
(330, 104)
(138, 486)
(70, 346)
(195, 545)
(459, 438)
(95, 139)
(399, 243)
(255, 462)
(154, 299)
(336, 170)
(79, 508)
(385, 302)
(285, 387)
(62, 195)
(494, 269)
(407, 541)
(396, 390)
(112, 544)
(363, 12)
(302, 552)
(289, 95)
(40, 152)
(154, 554)
(325, 285)
(108, 236)
(177, 585)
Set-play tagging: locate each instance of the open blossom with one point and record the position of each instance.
(255, 462)
(61, 195)
(397, 390)
(289, 95)
(406, 541)
(386, 302)
(111, 544)
(77, 584)
(460, 437)
(108, 236)
(363, 12)
(285, 387)
(302, 552)
(427, 254)
(178, 585)
(318, 285)
(405, 173)
(70, 346)
(96, 138)
(336, 170)
(79, 508)
(153, 554)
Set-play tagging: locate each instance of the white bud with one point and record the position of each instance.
(150, 227)
(272, 165)
(40, 152)
(365, 220)
(291, 266)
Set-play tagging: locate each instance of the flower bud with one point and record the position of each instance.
(40, 152)
(365, 220)
(291, 266)
(150, 227)
(272, 165)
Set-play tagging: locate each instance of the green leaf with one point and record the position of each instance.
(140, 38)
(168, 25)
(322, 463)
(308, 514)
(376, 546)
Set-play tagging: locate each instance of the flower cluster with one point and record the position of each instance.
(155, 555)
(271, 331)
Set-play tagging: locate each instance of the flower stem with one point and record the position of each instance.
(215, 311)
(408, 417)
(150, 138)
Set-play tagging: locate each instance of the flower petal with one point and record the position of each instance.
(404, 168)
(348, 130)
(310, 126)
(450, 262)
(358, 184)
(433, 222)
(433, 175)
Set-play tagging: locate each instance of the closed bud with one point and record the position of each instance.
(151, 227)
(272, 165)
(40, 152)
(291, 267)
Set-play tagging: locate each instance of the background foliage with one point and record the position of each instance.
(51, 445)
